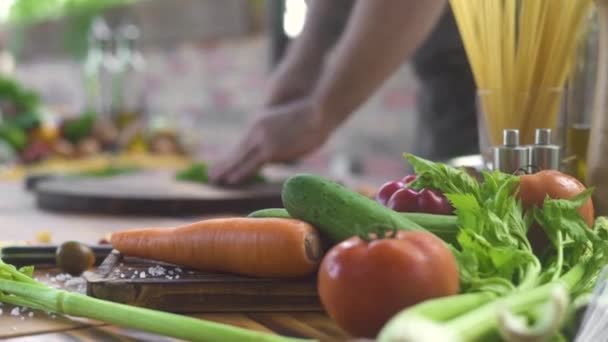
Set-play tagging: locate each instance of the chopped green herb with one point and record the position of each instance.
(199, 173)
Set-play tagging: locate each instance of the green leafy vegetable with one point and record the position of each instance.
(19, 107)
(25, 12)
(109, 171)
(499, 271)
(442, 177)
(199, 173)
(13, 135)
(77, 129)
(22, 99)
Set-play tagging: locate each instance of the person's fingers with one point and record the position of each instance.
(235, 167)
(247, 168)
(220, 169)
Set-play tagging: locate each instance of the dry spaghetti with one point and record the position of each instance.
(521, 53)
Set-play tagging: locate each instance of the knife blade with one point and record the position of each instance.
(44, 255)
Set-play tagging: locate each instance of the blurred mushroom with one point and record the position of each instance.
(165, 143)
(64, 148)
(106, 132)
(88, 147)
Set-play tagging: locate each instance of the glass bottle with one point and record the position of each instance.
(597, 154)
(98, 38)
(129, 92)
(132, 74)
(579, 100)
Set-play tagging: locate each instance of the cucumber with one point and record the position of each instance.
(339, 213)
(270, 212)
(445, 226)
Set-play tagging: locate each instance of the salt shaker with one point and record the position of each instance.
(544, 155)
(511, 156)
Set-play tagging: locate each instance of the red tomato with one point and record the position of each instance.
(363, 284)
(534, 188)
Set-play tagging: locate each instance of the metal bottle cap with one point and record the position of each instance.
(511, 156)
(544, 155)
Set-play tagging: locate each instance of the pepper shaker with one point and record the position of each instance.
(544, 155)
(511, 156)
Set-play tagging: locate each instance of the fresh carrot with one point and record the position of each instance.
(269, 247)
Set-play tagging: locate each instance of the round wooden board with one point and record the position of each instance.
(152, 194)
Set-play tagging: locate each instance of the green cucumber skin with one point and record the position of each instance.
(270, 212)
(337, 212)
(445, 226)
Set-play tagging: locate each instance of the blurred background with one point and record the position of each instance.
(167, 76)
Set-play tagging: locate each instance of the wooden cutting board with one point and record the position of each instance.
(143, 283)
(154, 193)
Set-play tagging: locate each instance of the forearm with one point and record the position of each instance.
(380, 35)
(299, 70)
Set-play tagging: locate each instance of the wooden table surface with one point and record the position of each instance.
(20, 220)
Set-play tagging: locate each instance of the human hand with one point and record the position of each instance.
(281, 133)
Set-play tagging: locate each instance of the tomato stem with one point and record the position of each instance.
(377, 232)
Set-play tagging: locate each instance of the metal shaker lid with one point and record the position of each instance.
(511, 156)
(544, 155)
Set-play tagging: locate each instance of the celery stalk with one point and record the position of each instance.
(469, 324)
(446, 308)
(162, 323)
(482, 321)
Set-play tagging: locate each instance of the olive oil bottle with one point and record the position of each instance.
(580, 99)
(577, 143)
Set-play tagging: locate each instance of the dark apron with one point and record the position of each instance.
(446, 95)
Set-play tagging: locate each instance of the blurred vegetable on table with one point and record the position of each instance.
(26, 12)
(198, 172)
(109, 171)
(19, 108)
(13, 135)
(78, 128)
(18, 104)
